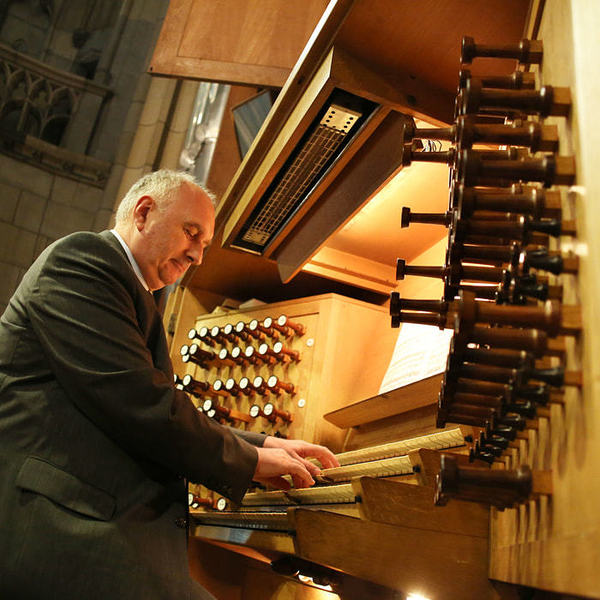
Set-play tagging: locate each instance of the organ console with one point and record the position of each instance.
(514, 379)
(245, 386)
(251, 356)
(267, 354)
(237, 356)
(254, 329)
(545, 102)
(232, 387)
(450, 157)
(550, 170)
(218, 389)
(228, 414)
(196, 502)
(199, 356)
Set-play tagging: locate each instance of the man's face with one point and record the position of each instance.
(169, 242)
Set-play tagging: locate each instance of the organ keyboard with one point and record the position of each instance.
(511, 240)
(330, 494)
(386, 460)
(435, 441)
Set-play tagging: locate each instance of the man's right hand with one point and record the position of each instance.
(275, 462)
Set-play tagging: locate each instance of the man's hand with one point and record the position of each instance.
(300, 450)
(275, 462)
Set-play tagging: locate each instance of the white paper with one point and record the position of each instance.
(420, 352)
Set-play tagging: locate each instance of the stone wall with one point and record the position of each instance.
(39, 205)
(36, 208)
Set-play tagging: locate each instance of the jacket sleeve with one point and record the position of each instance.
(82, 309)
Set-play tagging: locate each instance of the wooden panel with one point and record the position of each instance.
(419, 421)
(352, 269)
(569, 564)
(395, 402)
(241, 275)
(398, 503)
(422, 39)
(423, 187)
(232, 41)
(438, 565)
(269, 541)
(260, 584)
(552, 542)
(221, 572)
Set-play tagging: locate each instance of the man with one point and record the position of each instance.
(95, 442)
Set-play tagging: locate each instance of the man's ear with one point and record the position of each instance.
(141, 210)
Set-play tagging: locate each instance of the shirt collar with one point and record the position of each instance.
(132, 260)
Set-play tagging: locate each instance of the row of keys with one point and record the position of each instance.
(243, 332)
(264, 354)
(268, 411)
(223, 413)
(259, 386)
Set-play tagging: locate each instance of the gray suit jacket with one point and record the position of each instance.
(95, 442)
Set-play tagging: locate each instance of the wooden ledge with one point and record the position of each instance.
(398, 401)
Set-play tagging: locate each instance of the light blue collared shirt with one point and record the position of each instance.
(132, 260)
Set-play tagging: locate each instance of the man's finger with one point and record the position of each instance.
(300, 475)
(311, 467)
(325, 456)
(300, 482)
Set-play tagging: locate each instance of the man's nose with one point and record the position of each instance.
(194, 254)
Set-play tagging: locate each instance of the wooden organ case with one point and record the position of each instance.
(552, 541)
(541, 482)
(381, 525)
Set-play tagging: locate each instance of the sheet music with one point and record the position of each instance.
(420, 352)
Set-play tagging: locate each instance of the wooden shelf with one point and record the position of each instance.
(398, 401)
